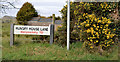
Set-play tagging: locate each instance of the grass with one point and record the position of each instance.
(0, 40)
(27, 50)
(41, 51)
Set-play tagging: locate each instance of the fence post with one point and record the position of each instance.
(11, 34)
(53, 19)
(52, 30)
(51, 34)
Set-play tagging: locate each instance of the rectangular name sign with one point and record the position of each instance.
(32, 30)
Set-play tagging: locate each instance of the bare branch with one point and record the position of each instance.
(11, 4)
(5, 5)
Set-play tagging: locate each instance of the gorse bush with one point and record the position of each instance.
(95, 32)
(100, 9)
(89, 21)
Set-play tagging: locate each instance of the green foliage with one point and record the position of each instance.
(41, 39)
(96, 32)
(27, 50)
(100, 9)
(60, 38)
(26, 12)
(61, 34)
(91, 20)
(78, 11)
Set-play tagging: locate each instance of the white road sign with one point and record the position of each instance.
(32, 30)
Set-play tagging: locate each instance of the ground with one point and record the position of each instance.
(28, 50)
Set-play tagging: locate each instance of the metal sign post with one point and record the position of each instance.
(68, 24)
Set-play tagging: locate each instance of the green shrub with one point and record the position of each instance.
(95, 31)
(78, 11)
(40, 39)
(26, 13)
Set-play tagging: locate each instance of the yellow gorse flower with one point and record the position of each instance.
(91, 46)
(84, 14)
(87, 25)
(111, 35)
(101, 5)
(108, 36)
(88, 30)
(78, 26)
(114, 29)
(109, 22)
(112, 42)
(91, 40)
(103, 22)
(108, 45)
(84, 22)
(97, 26)
(99, 21)
(94, 25)
(96, 33)
(96, 40)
